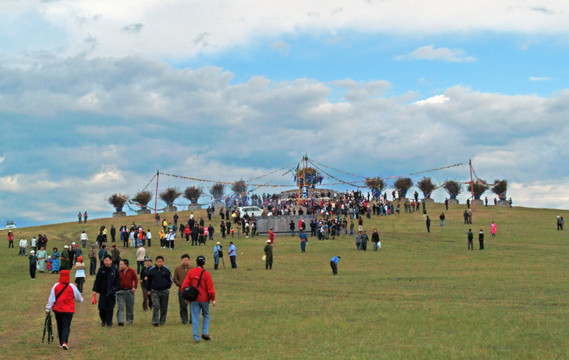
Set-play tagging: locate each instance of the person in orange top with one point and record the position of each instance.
(206, 293)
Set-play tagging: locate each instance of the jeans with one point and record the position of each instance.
(292, 233)
(442, 223)
(195, 308)
(106, 308)
(216, 259)
(160, 306)
(334, 267)
(125, 301)
(303, 246)
(139, 266)
(183, 308)
(375, 246)
(63, 320)
(80, 281)
(233, 261)
(93, 266)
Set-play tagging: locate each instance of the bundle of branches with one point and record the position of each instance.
(170, 195)
(117, 201)
(143, 198)
(500, 187)
(239, 187)
(478, 188)
(376, 184)
(453, 188)
(426, 186)
(217, 190)
(402, 185)
(193, 193)
(312, 177)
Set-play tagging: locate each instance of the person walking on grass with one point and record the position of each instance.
(481, 239)
(125, 295)
(268, 255)
(55, 261)
(146, 300)
(493, 229)
(334, 264)
(442, 218)
(180, 273)
(428, 223)
(10, 239)
(232, 252)
(375, 239)
(62, 298)
(92, 260)
(23, 247)
(470, 237)
(107, 283)
(200, 279)
(216, 255)
(303, 240)
(33, 264)
(140, 255)
(42, 257)
(80, 273)
(84, 239)
(159, 283)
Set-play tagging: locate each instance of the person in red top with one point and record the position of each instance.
(206, 292)
(62, 300)
(10, 239)
(125, 294)
(272, 236)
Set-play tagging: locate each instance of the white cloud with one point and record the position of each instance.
(180, 29)
(281, 47)
(539, 78)
(437, 99)
(429, 52)
(2, 158)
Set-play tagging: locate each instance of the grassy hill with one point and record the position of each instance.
(422, 296)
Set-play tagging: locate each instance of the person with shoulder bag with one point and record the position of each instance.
(62, 300)
(198, 290)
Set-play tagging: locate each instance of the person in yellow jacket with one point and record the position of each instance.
(162, 235)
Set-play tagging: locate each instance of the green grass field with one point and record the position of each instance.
(422, 296)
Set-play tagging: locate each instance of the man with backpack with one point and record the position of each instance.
(200, 279)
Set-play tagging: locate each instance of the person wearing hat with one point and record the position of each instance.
(334, 264)
(216, 253)
(269, 255)
(62, 300)
(55, 261)
(116, 256)
(80, 273)
(107, 282)
(65, 259)
(33, 264)
(180, 273)
(146, 300)
(206, 293)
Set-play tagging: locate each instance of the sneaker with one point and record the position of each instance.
(103, 324)
(121, 324)
(206, 337)
(64, 346)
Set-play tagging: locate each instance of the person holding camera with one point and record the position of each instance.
(200, 279)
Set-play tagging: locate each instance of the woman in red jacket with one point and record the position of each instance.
(62, 301)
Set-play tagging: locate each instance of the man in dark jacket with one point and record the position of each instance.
(146, 300)
(106, 284)
(158, 285)
(113, 233)
(115, 256)
(470, 237)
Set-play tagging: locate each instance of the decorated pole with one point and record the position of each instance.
(471, 184)
(156, 196)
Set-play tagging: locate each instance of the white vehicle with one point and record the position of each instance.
(250, 210)
(10, 224)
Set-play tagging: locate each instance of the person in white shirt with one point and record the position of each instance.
(170, 239)
(148, 238)
(23, 247)
(33, 243)
(140, 255)
(84, 239)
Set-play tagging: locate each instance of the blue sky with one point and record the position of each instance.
(96, 95)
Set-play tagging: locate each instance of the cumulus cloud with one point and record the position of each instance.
(177, 24)
(111, 128)
(429, 52)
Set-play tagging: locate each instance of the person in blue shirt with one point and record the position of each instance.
(232, 252)
(216, 250)
(303, 240)
(334, 264)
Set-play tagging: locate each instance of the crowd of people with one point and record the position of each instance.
(116, 282)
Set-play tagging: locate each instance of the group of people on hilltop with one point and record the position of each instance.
(82, 218)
